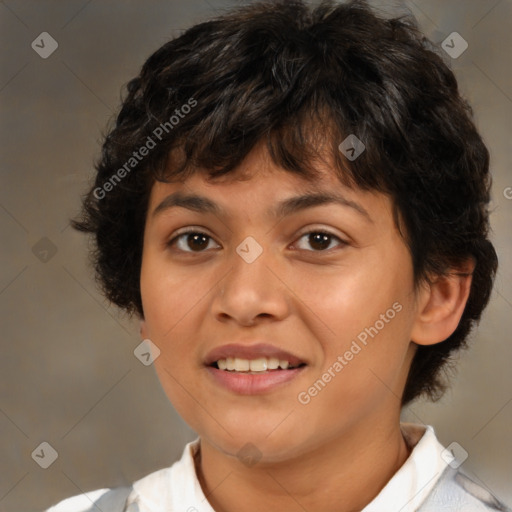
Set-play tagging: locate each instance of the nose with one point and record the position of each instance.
(251, 292)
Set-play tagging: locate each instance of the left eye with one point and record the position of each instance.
(320, 240)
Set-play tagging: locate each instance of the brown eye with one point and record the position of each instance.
(320, 241)
(197, 241)
(192, 241)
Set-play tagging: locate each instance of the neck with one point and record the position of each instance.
(343, 474)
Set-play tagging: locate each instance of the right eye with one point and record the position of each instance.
(192, 241)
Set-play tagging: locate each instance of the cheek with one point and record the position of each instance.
(168, 295)
(366, 315)
(172, 302)
(348, 300)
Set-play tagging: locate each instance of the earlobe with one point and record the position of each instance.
(143, 331)
(441, 303)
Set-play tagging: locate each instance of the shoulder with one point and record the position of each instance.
(456, 491)
(118, 499)
(113, 500)
(167, 485)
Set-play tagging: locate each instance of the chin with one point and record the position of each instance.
(251, 444)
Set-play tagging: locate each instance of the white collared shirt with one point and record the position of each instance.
(177, 487)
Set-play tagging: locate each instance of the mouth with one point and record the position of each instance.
(252, 369)
(255, 366)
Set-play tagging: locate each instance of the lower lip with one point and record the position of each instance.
(251, 383)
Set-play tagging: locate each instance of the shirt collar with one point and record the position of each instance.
(412, 483)
(178, 487)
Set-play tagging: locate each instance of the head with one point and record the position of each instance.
(254, 108)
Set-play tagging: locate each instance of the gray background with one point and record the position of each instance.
(69, 376)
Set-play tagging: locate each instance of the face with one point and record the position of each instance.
(266, 271)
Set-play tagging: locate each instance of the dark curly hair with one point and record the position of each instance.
(301, 79)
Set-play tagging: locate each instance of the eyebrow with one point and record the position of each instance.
(201, 204)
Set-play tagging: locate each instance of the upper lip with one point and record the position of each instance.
(254, 351)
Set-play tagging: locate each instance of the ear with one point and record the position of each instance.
(441, 302)
(143, 330)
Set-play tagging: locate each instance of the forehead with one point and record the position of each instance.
(259, 186)
(257, 171)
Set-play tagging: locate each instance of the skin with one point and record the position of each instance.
(341, 448)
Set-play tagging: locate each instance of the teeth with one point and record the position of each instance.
(273, 363)
(241, 365)
(258, 365)
(261, 364)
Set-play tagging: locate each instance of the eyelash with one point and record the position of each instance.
(342, 243)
